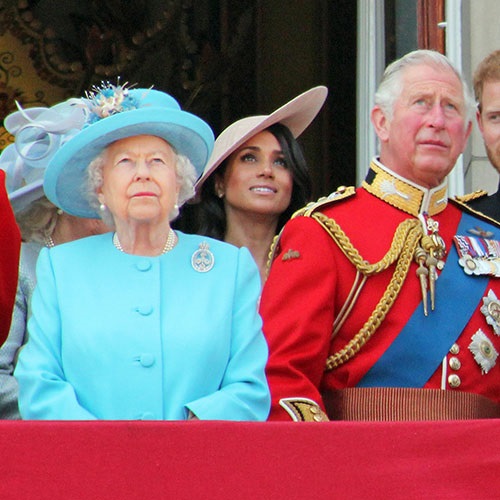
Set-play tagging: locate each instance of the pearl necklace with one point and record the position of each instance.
(169, 244)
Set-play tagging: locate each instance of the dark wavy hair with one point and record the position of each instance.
(212, 217)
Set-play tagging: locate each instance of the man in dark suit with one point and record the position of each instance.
(487, 91)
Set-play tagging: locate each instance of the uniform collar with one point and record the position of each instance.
(404, 194)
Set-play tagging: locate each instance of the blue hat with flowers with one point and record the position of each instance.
(38, 133)
(113, 113)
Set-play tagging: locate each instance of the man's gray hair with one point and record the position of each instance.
(391, 85)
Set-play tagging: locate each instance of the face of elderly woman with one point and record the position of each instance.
(139, 179)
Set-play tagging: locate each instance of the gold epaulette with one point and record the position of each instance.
(341, 193)
(466, 198)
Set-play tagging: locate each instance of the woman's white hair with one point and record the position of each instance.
(391, 85)
(185, 174)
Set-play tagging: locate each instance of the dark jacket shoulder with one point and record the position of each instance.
(482, 206)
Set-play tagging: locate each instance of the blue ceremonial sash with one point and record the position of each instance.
(425, 340)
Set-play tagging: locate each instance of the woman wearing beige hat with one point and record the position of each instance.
(257, 177)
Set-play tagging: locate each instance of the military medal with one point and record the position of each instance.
(478, 256)
(491, 311)
(484, 351)
(203, 259)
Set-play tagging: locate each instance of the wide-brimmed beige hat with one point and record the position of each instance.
(296, 114)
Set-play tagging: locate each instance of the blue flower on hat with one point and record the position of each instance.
(108, 100)
(114, 112)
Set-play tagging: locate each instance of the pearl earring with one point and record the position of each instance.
(102, 207)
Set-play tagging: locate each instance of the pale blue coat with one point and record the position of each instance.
(123, 337)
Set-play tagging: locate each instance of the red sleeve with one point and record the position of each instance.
(10, 241)
(297, 307)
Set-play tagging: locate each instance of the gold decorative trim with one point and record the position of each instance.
(303, 410)
(273, 250)
(467, 208)
(466, 198)
(402, 249)
(341, 193)
(399, 193)
(403, 246)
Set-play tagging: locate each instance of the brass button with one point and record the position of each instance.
(455, 363)
(454, 381)
(454, 349)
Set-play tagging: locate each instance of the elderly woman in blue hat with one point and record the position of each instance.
(144, 322)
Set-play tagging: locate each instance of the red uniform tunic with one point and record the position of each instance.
(10, 241)
(309, 281)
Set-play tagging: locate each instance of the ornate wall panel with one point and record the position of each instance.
(212, 55)
(201, 52)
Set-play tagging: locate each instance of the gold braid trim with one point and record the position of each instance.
(406, 228)
(342, 193)
(404, 243)
(272, 252)
(466, 198)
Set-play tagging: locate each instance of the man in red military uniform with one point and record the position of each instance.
(379, 292)
(10, 241)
